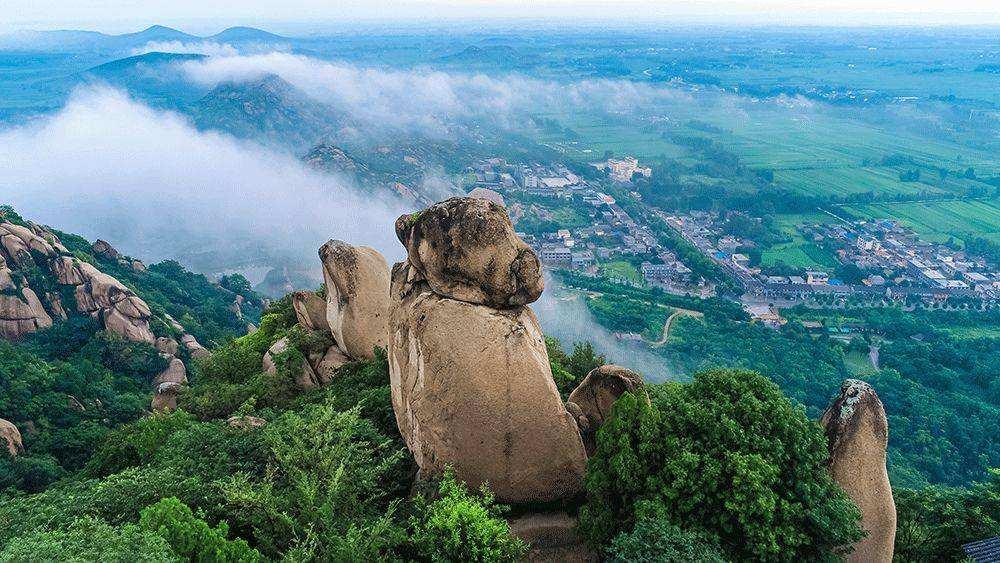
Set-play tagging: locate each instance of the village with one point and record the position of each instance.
(888, 262)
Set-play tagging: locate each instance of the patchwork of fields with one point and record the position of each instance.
(937, 220)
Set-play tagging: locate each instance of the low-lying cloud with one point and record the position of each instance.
(431, 101)
(210, 48)
(107, 166)
(567, 318)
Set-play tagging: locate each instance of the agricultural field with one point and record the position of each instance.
(799, 252)
(938, 220)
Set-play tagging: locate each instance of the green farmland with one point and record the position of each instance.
(937, 220)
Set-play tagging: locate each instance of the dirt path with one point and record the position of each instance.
(670, 322)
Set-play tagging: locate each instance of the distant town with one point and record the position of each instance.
(886, 262)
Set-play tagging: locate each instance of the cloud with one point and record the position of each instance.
(565, 316)
(431, 101)
(209, 48)
(107, 166)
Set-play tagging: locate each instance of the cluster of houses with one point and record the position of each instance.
(611, 233)
(894, 262)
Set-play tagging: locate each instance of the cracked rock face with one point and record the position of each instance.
(357, 297)
(857, 432)
(466, 249)
(10, 438)
(472, 389)
(595, 395)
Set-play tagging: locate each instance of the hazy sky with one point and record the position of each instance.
(203, 16)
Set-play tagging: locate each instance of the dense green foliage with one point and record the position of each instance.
(460, 526)
(727, 455)
(656, 539)
(934, 522)
(192, 538)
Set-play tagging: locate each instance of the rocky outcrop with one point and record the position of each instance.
(165, 398)
(246, 422)
(10, 438)
(167, 346)
(96, 293)
(466, 249)
(317, 368)
(104, 249)
(310, 310)
(22, 314)
(857, 432)
(175, 373)
(591, 401)
(472, 387)
(194, 348)
(357, 297)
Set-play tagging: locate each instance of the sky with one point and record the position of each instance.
(206, 16)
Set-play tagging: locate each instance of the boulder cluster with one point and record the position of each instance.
(857, 433)
(350, 319)
(29, 248)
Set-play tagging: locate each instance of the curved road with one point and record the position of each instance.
(669, 322)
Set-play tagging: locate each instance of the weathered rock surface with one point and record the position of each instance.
(166, 346)
(165, 398)
(595, 395)
(472, 389)
(103, 248)
(97, 294)
(466, 249)
(858, 433)
(310, 310)
(194, 347)
(175, 373)
(488, 195)
(10, 438)
(552, 537)
(357, 297)
(22, 314)
(317, 369)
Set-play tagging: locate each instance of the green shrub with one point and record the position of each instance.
(325, 489)
(655, 539)
(117, 499)
(90, 539)
(191, 537)
(135, 444)
(460, 526)
(934, 522)
(727, 454)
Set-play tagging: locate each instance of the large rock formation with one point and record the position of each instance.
(592, 399)
(357, 297)
(858, 433)
(466, 249)
(471, 384)
(10, 438)
(96, 293)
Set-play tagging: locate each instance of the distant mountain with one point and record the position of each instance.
(150, 77)
(267, 108)
(498, 55)
(77, 41)
(156, 33)
(117, 67)
(245, 35)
